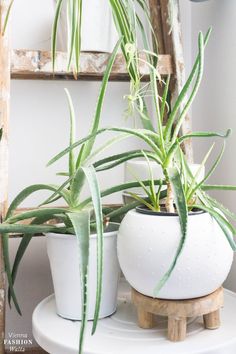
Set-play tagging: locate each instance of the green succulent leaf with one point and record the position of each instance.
(222, 187)
(21, 251)
(81, 225)
(178, 141)
(54, 31)
(5, 242)
(182, 209)
(7, 17)
(95, 125)
(179, 102)
(227, 228)
(96, 199)
(72, 165)
(25, 193)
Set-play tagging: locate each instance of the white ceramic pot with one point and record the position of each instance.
(147, 245)
(64, 262)
(98, 32)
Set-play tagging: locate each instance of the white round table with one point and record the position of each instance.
(119, 334)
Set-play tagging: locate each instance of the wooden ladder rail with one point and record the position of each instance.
(4, 118)
(165, 17)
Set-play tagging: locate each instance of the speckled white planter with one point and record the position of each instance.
(147, 245)
(64, 262)
(98, 32)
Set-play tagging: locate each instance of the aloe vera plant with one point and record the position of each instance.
(75, 216)
(183, 190)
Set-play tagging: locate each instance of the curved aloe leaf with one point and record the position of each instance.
(225, 226)
(25, 193)
(76, 187)
(221, 187)
(221, 207)
(35, 214)
(57, 192)
(195, 87)
(182, 209)
(140, 133)
(183, 92)
(96, 199)
(75, 145)
(122, 210)
(72, 165)
(178, 141)
(54, 32)
(116, 160)
(5, 243)
(192, 185)
(214, 166)
(30, 229)
(81, 225)
(7, 17)
(73, 29)
(89, 145)
(21, 251)
(118, 188)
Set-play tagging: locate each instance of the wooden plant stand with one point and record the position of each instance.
(178, 311)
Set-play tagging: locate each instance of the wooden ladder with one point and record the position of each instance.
(24, 64)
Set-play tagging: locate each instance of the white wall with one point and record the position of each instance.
(214, 106)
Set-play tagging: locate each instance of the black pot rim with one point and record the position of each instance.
(142, 209)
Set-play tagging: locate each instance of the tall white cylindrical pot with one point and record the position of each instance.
(98, 32)
(147, 244)
(64, 262)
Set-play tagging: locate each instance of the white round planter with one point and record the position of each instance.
(64, 262)
(147, 245)
(98, 32)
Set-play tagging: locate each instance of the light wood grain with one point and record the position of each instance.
(145, 319)
(4, 117)
(212, 320)
(27, 64)
(172, 34)
(177, 329)
(178, 311)
(156, 20)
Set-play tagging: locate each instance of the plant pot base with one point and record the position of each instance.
(178, 311)
(66, 317)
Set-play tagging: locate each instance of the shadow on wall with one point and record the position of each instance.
(213, 108)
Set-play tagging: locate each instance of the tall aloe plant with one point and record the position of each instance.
(78, 216)
(183, 190)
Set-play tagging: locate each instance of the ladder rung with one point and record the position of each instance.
(28, 64)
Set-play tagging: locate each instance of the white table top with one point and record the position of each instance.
(119, 334)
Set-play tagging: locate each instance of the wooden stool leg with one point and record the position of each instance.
(212, 320)
(145, 319)
(177, 327)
